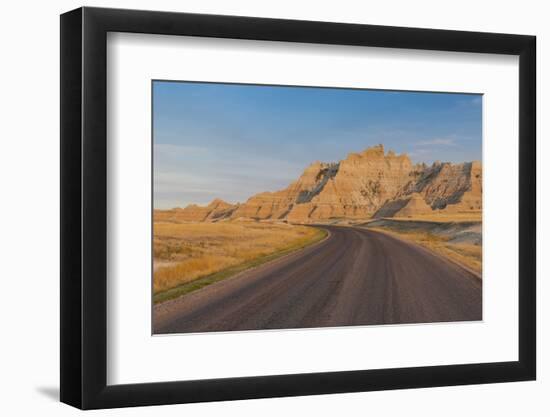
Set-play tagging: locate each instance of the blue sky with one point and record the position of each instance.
(231, 141)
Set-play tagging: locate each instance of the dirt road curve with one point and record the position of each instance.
(355, 277)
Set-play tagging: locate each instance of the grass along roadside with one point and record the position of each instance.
(467, 255)
(470, 216)
(208, 253)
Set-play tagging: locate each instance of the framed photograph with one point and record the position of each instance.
(259, 208)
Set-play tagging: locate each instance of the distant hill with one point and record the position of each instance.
(368, 184)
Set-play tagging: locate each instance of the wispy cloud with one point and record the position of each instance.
(437, 142)
(197, 174)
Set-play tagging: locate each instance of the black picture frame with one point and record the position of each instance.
(84, 207)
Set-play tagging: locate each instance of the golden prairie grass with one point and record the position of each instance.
(172, 215)
(185, 252)
(444, 217)
(466, 254)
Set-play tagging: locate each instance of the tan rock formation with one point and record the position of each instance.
(363, 182)
(366, 184)
(409, 206)
(444, 187)
(448, 186)
(471, 199)
(220, 209)
(216, 210)
(277, 205)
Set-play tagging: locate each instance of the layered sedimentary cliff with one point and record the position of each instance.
(362, 183)
(368, 184)
(444, 187)
(277, 205)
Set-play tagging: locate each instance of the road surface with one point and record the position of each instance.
(354, 277)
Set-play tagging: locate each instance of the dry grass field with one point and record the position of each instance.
(444, 217)
(466, 254)
(185, 253)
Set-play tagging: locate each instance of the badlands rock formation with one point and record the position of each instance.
(277, 205)
(362, 183)
(216, 210)
(403, 207)
(368, 184)
(443, 186)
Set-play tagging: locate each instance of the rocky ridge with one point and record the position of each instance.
(216, 210)
(367, 184)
